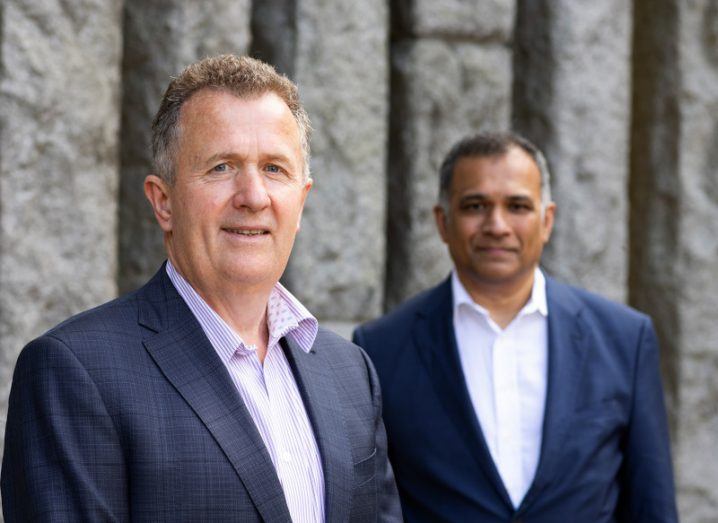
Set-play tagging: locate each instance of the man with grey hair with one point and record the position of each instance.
(509, 396)
(211, 393)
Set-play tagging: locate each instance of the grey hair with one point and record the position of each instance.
(242, 76)
(486, 145)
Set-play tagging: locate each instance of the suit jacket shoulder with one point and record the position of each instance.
(619, 326)
(598, 306)
(386, 337)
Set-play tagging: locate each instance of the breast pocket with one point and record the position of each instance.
(365, 470)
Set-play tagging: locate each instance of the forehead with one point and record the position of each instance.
(215, 107)
(514, 172)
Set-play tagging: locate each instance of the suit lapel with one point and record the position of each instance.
(318, 388)
(566, 357)
(434, 336)
(182, 351)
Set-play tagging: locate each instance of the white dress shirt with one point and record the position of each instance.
(506, 373)
(270, 392)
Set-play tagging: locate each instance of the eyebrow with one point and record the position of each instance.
(514, 198)
(519, 198)
(199, 162)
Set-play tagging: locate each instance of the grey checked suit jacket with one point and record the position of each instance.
(125, 412)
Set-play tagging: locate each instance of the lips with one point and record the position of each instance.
(246, 231)
(496, 249)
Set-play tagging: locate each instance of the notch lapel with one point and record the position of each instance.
(434, 336)
(182, 351)
(566, 363)
(317, 385)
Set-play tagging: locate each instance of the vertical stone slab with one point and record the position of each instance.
(59, 93)
(674, 209)
(341, 67)
(451, 76)
(161, 38)
(571, 97)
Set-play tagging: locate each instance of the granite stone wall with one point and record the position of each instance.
(622, 96)
(571, 98)
(59, 120)
(450, 75)
(341, 66)
(674, 214)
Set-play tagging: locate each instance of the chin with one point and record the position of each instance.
(251, 274)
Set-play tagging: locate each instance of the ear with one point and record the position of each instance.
(548, 220)
(158, 193)
(305, 192)
(440, 217)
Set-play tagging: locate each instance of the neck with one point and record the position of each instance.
(245, 312)
(242, 307)
(503, 300)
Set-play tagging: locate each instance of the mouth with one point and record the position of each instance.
(248, 232)
(495, 250)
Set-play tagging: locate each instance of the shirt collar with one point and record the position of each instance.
(286, 316)
(536, 302)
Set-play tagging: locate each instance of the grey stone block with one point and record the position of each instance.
(696, 256)
(440, 92)
(341, 67)
(59, 93)
(674, 197)
(571, 98)
(474, 20)
(160, 39)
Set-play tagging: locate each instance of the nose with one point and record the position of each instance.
(250, 191)
(496, 223)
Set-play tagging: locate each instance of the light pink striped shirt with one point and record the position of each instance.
(270, 392)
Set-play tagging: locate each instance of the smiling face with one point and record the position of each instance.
(232, 213)
(494, 226)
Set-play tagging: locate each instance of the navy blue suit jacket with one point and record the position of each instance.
(605, 453)
(127, 413)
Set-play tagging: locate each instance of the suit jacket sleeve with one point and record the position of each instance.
(63, 460)
(648, 491)
(388, 497)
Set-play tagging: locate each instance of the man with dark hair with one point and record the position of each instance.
(210, 394)
(509, 396)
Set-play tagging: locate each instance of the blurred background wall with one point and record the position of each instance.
(622, 96)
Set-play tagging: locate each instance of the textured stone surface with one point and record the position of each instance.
(269, 18)
(697, 248)
(571, 97)
(674, 209)
(654, 185)
(456, 19)
(160, 39)
(440, 92)
(341, 67)
(59, 93)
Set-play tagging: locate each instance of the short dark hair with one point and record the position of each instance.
(242, 76)
(487, 145)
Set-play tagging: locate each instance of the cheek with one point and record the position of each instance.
(197, 215)
(467, 230)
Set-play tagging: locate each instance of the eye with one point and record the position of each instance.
(475, 206)
(519, 207)
(221, 168)
(272, 168)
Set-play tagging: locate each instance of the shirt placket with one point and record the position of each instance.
(292, 466)
(507, 411)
